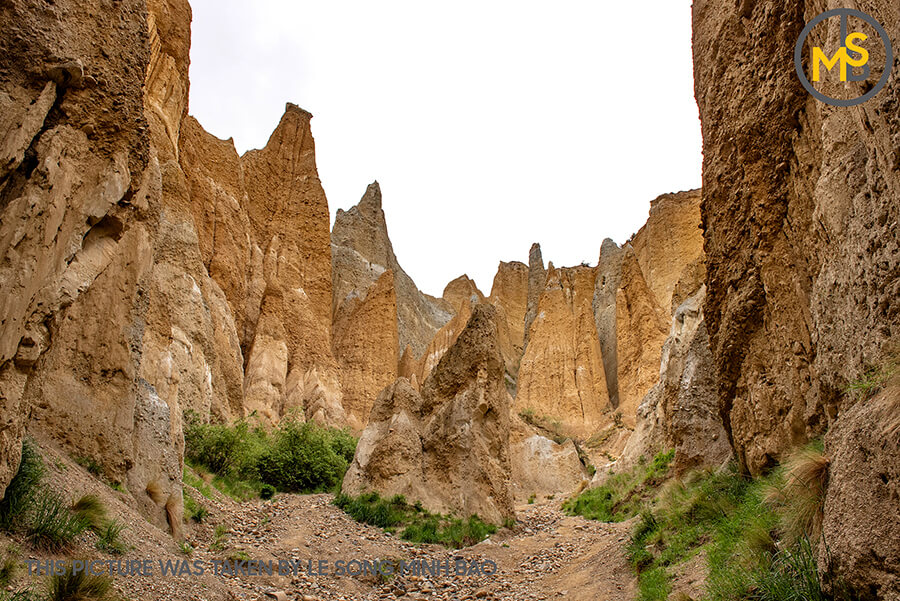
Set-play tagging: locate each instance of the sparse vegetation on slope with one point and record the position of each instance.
(760, 536)
(294, 457)
(418, 525)
(623, 495)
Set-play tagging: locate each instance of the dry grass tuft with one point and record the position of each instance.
(155, 492)
(801, 496)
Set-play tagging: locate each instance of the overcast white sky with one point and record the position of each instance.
(489, 125)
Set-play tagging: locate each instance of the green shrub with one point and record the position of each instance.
(53, 526)
(110, 538)
(21, 493)
(79, 586)
(267, 491)
(295, 457)
(419, 525)
(192, 509)
(303, 458)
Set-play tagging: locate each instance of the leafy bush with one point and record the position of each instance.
(267, 491)
(53, 526)
(79, 586)
(304, 457)
(22, 490)
(295, 457)
(419, 525)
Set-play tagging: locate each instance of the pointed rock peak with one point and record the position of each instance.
(461, 288)
(371, 200)
(477, 345)
(290, 107)
(535, 257)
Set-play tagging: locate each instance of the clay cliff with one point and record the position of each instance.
(447, 447)
(799, 212)
(361, 251)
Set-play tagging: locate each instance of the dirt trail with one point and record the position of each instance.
(548, 555)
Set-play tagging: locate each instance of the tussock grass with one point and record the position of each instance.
(418, 525)
(22, 491)
(53, 526)
(91, 509)
(110, 539)
(79, 586)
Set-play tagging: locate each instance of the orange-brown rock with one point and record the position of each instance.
(362, 251)
(561, 374)
(447, 447)
(670, 240)
(537, 279)
(799, 211)
(641, 327)
(509, 293)
(365, 345)
(286, 202)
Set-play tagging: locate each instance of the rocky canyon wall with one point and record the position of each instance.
(800, 211)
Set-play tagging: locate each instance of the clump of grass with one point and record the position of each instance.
(623, 495)
(419, 525)
(186, 548)
(91, 465)
(799, 494)
(192, 509)
(654, 585)
(110, 539)
(91, 510)
(79, 586)
(155, 491)
(53, 526)
(9, 566)
(532, 498)
(221, 538)
(22, 491)
(874, 379)
(25, 595)
(192, 479)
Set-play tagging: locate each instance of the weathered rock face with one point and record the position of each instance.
(361, 252)
(509, 293)
(669, 241)
(800, 211)
(640, 333)
(537, 278)
(365, 344)
(561, 375)
(681, 411)
(863, 496)
(448, 446)
(87, 167)
(609, 271)
(540, 466)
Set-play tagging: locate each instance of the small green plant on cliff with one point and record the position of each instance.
(874, 379)
(419, 525)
